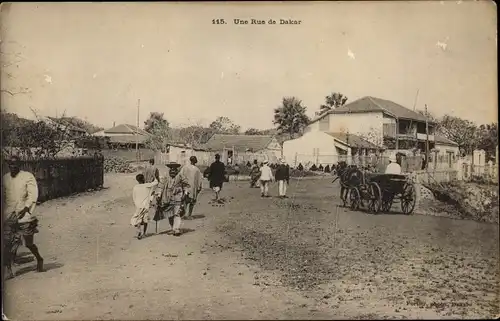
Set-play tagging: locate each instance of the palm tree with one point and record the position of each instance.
(334, 100)
(290, 117)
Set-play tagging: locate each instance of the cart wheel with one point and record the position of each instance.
(387, 203)
(408, 198)
(376, 198)
(354, 198)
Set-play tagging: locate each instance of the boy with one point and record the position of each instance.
(141, 195)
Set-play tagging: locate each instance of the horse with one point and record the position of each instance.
(350, 176)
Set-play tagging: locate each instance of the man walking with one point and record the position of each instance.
(283, 178)
(254, 174)
(151, 172)
(21, 193)
(172, 200)
(216, 176)
(191, 173)
(266, 176)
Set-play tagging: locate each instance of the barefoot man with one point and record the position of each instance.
(193, 176)
(21, 193)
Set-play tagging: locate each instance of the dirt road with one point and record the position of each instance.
(254, 259)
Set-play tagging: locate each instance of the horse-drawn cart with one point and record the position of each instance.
(374, 191)
(393, 188)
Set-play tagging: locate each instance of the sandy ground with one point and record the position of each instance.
(254, 258)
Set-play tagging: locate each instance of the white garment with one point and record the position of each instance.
(393, 168)
(266, 173)
(142, 194)
(282, 185)
(20, 192)
(264, 188)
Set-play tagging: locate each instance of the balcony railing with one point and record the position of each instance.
(389, 130)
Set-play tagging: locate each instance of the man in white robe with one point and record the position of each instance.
(20, 196)
(192, 174)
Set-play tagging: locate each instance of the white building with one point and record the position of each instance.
(326, 148)
(383, 123)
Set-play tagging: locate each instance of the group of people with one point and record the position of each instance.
(263, 176)
(172, 197)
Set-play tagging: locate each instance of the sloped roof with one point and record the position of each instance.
(443, 140)
(126, 129)
(373, 104)
(127, 139)
(240, 143)
(353, 140)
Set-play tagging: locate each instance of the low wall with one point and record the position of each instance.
(64, 176)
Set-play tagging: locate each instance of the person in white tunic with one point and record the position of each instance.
(191, 173)
(393, 167)
(142, 195)
(20, 196)
(266, 176)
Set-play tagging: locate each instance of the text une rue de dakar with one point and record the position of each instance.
(259, 21)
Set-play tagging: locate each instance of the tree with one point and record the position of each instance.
(195, 135)
(83, 124)
(334, 100)
(290, 117)
(461, 131)
(33, 138)
(224, 125)
(488, 138)
(252, 131)
(159, 129)
(10, 58)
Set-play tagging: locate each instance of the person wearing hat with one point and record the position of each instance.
(282, 177)
(266, 176)
(173, 191)
(193, 177)
(21, 194)
(393, 167)
(216, 176)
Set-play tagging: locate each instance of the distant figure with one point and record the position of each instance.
(320, 168)
(283, 178)
(424, 162)
(193, 176)
(254, 174)
(327, 169)
(151, 172)
(266, 176)
(216, 176)
(141, 195)
(393, 167)
(300, 167)
(21, 194)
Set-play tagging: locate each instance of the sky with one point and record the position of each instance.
(95, 60)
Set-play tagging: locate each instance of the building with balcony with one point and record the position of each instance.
(383, 123)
